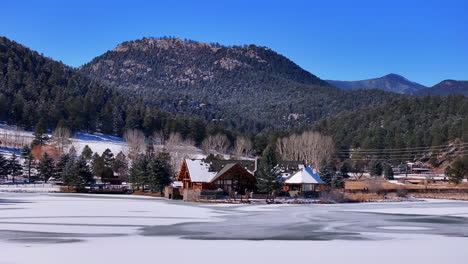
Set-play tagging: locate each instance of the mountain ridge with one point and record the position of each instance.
(391, 82)
(235, 79)
(446, 87)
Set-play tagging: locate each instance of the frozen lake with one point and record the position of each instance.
(61, 228)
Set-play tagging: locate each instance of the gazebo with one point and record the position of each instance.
(305, 179)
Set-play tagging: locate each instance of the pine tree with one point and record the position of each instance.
(159, 172)
(72, 152)
(97, 165)
(61, 167)
(14, 167)
(69, 177)
(108, 158)
(3, 167)
(79, 174)
(46, 168)
(328, 173)
(87, 153)
(337, 181)
(458, 170)
(388, 172)
(268, 174)
(120, 166)
(140, 171)
(26, 154)
(81, 168)
(376, 168)
(40, 130)
(344, 170)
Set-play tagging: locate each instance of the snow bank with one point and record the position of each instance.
(33, 188)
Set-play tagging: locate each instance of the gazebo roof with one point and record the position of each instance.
(305, 175)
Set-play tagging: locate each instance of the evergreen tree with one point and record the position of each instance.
(140, 171)
(268, 174)
(14, 167)
(80, 174)
(376, 168)
(3, 167)
(87, 153)
(46, 168)
(388, 172)
(72, 152)
(97, 165)
(61, 167)
(40, 130)
(120, 166)
(328, 173)
(159, 172)
(344, 170)
(26, 154)
(337, 181)
(108, 158)
(458, 170)
(69, 177)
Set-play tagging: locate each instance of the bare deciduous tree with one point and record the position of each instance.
(216, 143)
(179, 150)
(135, 140)
(310, 147)
(61, 138)
(14, 137)
(243, 146)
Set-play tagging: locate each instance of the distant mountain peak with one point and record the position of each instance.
(446, 87)
(395, 77)
(391, 82)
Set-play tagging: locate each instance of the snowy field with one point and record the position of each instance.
(96, 141)
(63, 228)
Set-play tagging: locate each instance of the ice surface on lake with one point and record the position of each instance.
(61, 228)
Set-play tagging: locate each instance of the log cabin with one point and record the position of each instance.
(226, 175)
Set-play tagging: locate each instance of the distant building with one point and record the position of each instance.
(304, 180)
(225, 175)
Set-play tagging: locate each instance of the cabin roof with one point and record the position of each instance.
(199, 171)
(208, 171)
(306, 175)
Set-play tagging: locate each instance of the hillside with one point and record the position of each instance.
(391, 82)
(408, 123)
(33, 87)
(251, 87)
(446, 87)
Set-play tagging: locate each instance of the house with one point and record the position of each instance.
(226, 175)
(305, 179)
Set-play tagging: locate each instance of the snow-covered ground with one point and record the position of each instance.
(61, 228)
(96, 141)
(30, 188)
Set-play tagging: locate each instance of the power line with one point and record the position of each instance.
(407, 149)
(396, 153)
(462, 153)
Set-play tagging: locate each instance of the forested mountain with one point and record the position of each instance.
(250, 87)
(446, 87)
(391, 82)
(411, 122)
(33, 87)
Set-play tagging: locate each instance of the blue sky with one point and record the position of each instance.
(425, 41)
